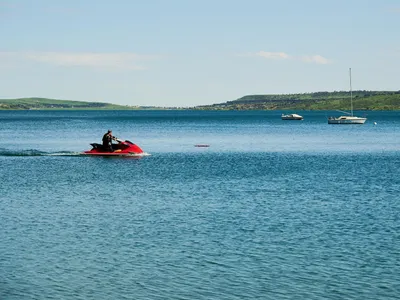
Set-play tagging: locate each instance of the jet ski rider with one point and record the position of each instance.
(107, 141)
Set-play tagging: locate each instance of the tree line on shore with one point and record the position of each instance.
(362, 100)
(338, 100)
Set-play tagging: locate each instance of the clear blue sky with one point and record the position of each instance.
(186, 52)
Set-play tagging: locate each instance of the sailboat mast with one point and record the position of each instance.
(351, 93)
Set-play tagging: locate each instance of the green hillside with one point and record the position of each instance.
(44, 103)
(362, 100)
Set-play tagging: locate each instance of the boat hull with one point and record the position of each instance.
(112, 154)
(124, 148)
(293, 117)
(347, 120)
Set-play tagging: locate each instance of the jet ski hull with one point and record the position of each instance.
(123, 148)
(112, 154)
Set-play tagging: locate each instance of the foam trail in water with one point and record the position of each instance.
(144, 154)
(65, 153)
(35, 152)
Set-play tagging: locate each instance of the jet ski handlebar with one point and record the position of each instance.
(118, 140)
(121, 141)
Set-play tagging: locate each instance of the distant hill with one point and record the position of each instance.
(362, 100)
(45, 103)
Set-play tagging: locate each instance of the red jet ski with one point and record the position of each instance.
(123, 148)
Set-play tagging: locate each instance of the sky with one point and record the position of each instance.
(184, 53)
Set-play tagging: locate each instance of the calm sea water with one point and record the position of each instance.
(271, 210)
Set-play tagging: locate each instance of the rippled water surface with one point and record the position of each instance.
(271, 210)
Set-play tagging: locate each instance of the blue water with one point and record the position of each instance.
(271, 210)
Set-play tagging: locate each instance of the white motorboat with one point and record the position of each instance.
(291, 117)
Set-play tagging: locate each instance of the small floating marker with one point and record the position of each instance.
(202, 145)
(375, 123)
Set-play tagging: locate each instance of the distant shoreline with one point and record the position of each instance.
(319, 101)
(192, 109)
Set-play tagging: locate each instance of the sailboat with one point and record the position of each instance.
(351, 119)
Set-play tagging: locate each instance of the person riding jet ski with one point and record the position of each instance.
(107, 141)
(107, 148)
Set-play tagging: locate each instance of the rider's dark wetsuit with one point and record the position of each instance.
(107, 142)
